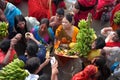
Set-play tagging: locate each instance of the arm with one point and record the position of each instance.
(8, 54)
(54, 71)
(42, 65)
(29, 35)
(106, 31)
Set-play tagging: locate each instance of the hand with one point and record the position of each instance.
(29, 35)
(18, 36)
(54, 68)
(13, 42)
(52, 24)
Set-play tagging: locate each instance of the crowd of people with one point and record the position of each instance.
(48, 25)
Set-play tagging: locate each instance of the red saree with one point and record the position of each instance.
(39, 9)
(86, 74)
(87, 7)
(113, 25)
(100, 7)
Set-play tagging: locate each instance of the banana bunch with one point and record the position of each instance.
(14, 71)
(85, 37)
(117, 18)
(3, 29)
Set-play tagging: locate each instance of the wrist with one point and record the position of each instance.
(10, 48)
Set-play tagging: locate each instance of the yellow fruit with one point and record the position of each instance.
(72, 44)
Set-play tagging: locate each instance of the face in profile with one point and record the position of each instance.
(115, 37)
(43, 27)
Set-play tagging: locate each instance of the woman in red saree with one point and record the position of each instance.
(113, 25)
(39, 8)
(102, 6)
(43, 8)
(82, 8)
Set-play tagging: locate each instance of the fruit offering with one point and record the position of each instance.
(3, 29)
(85, 37)
(14, 71)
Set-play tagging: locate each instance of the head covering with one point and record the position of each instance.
(87, 3)
(89, 71)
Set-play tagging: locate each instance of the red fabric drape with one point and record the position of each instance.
(39, 8)
(116, 8)
(86, 74)
(113, 44)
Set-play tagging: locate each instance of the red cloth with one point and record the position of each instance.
(2, 56)
(113, 44)
(39, 9)
(82, 15)
(101, 4)
(116, 8)
(87, 3)
(89, 71)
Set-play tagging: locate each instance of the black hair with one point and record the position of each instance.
(84, 8)
(4, 45)
(32, 48)
(17, 19)
(118, 33)
(105, 72)
(32, 64)
(69, 17)
(57, 2)
(100, 43)
(60, 11)
(45, 21)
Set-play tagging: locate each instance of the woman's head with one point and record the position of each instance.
(116, 35)
(99, 43)
(4, 45)
(90, 70)
(31, 49)
(67, 21)
(44, 24)
(99, 61)
(20, 23)
(32, 64)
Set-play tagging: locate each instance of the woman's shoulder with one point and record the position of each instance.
(59, 27)
(76, 29)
